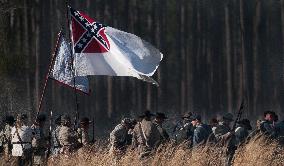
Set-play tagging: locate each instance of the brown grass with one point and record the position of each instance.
(259, 151)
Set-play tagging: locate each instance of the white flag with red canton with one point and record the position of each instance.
(102, 50)
(61, 70)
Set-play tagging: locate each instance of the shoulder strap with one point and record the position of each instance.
(20, 139)
(142, 133)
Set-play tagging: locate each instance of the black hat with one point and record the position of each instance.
(161, 115)
(147, 113)
(187, 115)
(85, 120)
(269, 112)
(246, 123)
(9, 119)
(41, 118)
(196, 117)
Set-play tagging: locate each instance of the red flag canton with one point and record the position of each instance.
(88, 36)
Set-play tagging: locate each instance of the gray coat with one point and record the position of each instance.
(201, 134)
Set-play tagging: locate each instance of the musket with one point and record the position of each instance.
(239, 115)
(93, 130)
(48, 151)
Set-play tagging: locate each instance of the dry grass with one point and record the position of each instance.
(259, 151)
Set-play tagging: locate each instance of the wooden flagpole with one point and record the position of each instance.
(48, 73)
(72, 66)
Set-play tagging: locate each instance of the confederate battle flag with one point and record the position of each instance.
(102, 50)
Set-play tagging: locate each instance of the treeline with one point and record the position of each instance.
(215, 54)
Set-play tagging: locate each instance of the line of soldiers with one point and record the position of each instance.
(29, 145)
(147, 133)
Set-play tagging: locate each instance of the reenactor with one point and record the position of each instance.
(201, 131)
(159, 120)
(130, 132)
(223, 130)
(55, 148)
(225, 136)
(21, 140)
(267, 126)
(213, 124)
(83, 131)
(184, 130)
(39, 140)
(242, 131)
(146, 136)
(5, 136)
(67, 136)
(118, 137)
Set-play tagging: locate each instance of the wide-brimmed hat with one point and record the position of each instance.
(85, 120)
(246, 123)
(195, 117)
(147, 113)
(160, 115)
(41, 118)
(9, 119)
(187, 115)
(228, 116)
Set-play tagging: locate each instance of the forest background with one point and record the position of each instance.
(215, 54)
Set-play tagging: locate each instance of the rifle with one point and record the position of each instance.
(239, 115)
(48, 151)
(93, 130)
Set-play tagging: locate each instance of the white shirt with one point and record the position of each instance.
(25, 133)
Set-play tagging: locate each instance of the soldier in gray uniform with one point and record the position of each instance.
(242, 131)
(146, 136)
(39, 141)
(118, 137)
(5, 136)
(201, 131)
(223, 130)
(159, 120)
(225, 136)
(67, 136)
(55, 148)
(21, 135)
(184, 129)
(83, 131)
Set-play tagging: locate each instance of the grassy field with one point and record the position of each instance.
(259, 151)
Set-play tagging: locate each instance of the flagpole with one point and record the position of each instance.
(73, 71)
(49, 70)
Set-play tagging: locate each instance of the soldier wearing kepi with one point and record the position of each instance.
(67, 136)
(83, 131)
(159, 120)
(146, 136)
(55, 148)
(118, 137)
(21, 140)
(201, 131)
(5, 136)
(39, 141)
